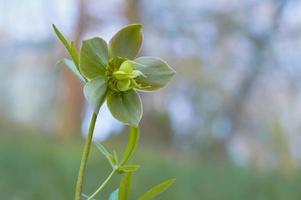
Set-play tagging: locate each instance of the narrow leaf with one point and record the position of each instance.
(93, 57)
(95, 92)
(158, 189)
(86, 196)
(132, 144)
(126, 43)
(70, 64)
(102, 149)
(61, 37)
(128, 168)
(71, 48)
(125, 107)
(74, 54)
(114, 159)
(114, 195)
(105, 152)
(125, 187)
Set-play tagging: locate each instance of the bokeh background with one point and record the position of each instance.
(227, 126)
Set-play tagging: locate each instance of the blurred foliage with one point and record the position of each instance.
(35, 168)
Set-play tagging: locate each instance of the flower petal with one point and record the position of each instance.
(157, 73)
(94, 57)
(126, 43)
(95, 92)
(126, 107)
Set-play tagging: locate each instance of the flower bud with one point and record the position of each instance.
(123, 85)
(126, 67)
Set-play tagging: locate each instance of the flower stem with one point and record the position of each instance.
(84, 160)
(102, 185)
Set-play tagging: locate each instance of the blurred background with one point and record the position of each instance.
(227, 126)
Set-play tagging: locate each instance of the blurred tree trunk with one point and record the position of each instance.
(132, 11)
(74, 100)
(262, 43)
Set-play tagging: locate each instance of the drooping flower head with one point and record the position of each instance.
(112, 72)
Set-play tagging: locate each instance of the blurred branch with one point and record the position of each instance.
(261, 44)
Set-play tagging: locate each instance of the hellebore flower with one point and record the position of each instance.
(112, 72)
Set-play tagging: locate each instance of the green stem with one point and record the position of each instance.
(84, 160)
(102, 185)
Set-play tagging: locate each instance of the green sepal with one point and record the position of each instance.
(127, 42)
(93, 57)
(156, 190)
(157, 73)
(95, 92)
(125, 106)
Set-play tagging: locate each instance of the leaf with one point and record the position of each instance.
(158, 189)
(102, 149)
(125, 186)
(107, 154)
(93, 57)
(86, 196)
(126, 43)
(70, 64)
(125, 107)
(115, 157)
(71, 48)
(114, 195)
(95, 92)
(132, 144)
(61, 37)
(74, 54)
(128, 168)
(157, 73)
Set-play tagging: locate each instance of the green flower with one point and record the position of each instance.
(112, 72)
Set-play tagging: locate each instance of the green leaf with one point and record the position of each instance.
(70, 64)
(158, 189)
(132, 144)
(126, 43)
(125, 186)
(128, 168)
(115, 157)
(61, 37)
(125, 107)
(95, 92)
(93, 57)
(71, 48)
(102, 149)
(107, 154)
(114, 195)
(74, 54)
(157, 73)
(86, 196)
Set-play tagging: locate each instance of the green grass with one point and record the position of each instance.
(41, 168)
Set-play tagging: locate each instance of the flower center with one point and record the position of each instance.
(122, 74)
